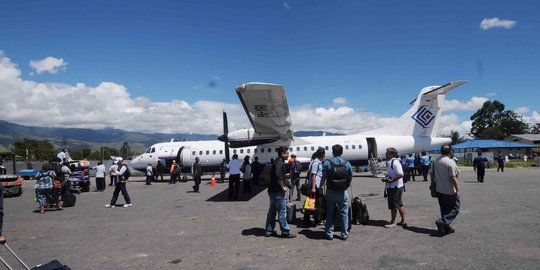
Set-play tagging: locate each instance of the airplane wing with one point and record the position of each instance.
(267, 109)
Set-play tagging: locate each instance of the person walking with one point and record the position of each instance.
(100, 176)
(394, 188)
(337, 177)
(197, 173)
(175, 172)
(149, 174)
(2, 238)
(445, 173)
(246, 175)
(123, 175)
(222, 171)
(234, 178)
(276, 193)
(479, 166)
(112, 173)
(296, 169)
(159, 171)
(500, 162)
(424, 165)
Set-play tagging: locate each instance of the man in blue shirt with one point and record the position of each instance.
(410, 167)
(479, 165)
(424, 165)
(338, 176)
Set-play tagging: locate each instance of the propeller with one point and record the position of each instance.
(224, 138)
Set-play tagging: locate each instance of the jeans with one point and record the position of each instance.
(120, 187)
(449, 205)
(234, 186)
(337, 200)
(277, 204)
(295, 181)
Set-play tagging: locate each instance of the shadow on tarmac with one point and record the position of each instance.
(376, 223)
(224, 195)
(429, 232)
(254, 231)
(313, 235)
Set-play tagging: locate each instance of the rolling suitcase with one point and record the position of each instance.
(52, 265)
(291, 213)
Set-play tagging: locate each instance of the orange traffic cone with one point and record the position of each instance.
(213, 182)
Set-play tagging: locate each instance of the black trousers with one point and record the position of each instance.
(1, 208)
(247, 186)
(425, 171)
(501, 167)
(222, 176)
(120, 187)
(158, 174)
(197, 180)
(149, 179)
(174, 178)
(234, 186)
(320, 204)
(113, 180)
(100, 183)
(480, 172)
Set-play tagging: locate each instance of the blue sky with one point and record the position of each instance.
(371, 54)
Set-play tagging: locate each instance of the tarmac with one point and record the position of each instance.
(170, 227)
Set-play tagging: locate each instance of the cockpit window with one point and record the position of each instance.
(153, 150)
(148, 151)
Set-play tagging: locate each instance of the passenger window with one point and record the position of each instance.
(255, 150)
(298, 149)
(221, 152)
(359, 146)
(200, 153)
(305, 148)
(241, 151)
(313, 148)
(270, 150)
(207, 152)
(290, 149)
(234, 151)
(214, 152)
(353, 147)
(262, 150)
(248, 151)
(326, 147)
(346, 147)
(193, 153)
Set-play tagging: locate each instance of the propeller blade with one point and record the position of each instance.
(225, 137)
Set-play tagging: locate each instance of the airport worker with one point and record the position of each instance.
(159, 170)
(234, 177)
(256, 168)
(149, 174)
(197, 173)
(276, 193)
(123, 174)
(394, 188)
(445, 174)
(417, 165)
(314, 178)
(112, 173)
(100, 176)
(62, 155)
(246, 174)
(479, 166)
(424, 165)
(410, 167)
(66, 186)
(337, 175)
(44, 187)
(175, 172)
(500, 162)
(296, 169)
(222, 170)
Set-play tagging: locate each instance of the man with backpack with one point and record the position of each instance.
(337, 172)
(296, 169)
(123, 176)
(175, 172)
(276, 192)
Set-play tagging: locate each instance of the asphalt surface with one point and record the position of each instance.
(170, 227)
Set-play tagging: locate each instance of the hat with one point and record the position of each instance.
(115, 162)
(119, 159)
(174, 161)
(293, 154)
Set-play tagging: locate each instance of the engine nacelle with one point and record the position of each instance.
(248, 137)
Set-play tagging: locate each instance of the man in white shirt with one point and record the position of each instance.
(234, 177)
(112, 173)
(394, 188)
(62, 155)
(149, 174)
(100, 176)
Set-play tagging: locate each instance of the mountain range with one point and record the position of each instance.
(78, 138)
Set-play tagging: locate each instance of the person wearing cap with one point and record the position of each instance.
(295, 170)
(112, 173)
(120, 186)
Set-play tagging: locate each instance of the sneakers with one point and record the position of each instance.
(273, 233)
(288, 235)
(328, 237)
(344, 237)
(402, 224)
(440, 227)
(109, 205)
(127, 205)
(390, 226)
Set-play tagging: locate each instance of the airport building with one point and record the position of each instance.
(490, 148)
(525, 138)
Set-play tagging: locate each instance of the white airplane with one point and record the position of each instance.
(267, 109)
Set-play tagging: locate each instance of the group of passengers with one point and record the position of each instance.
(52, 183)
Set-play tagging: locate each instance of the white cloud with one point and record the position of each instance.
(491, 94)
(48, 64)
(533, 118)
(474, 103)
(340, 100)
(496, 23)
(522, 110)
(451, 122)
(286, 5)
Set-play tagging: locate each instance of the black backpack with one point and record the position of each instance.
(338, 178)
(265, 178)
(127, 173)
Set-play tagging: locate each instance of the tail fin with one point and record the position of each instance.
(422, 118)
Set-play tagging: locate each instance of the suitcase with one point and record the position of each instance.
(52, 265)
(360, 213)
(291, 213)
(69, 200)
(337, 220)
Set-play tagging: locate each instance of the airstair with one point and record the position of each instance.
(377, 166)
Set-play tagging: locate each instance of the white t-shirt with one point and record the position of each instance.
(61, 156)
(247, 172)
(100, 171)
(115, 167)
(234, 166)
(394, 168)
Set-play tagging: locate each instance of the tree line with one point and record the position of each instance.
(32, 149)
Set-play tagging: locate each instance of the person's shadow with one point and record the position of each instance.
(254, 231)
(376, 223)
(430, 232)
(313, 235)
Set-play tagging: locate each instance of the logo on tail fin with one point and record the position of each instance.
(423, 116)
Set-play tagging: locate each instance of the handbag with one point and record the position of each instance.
(433, 189)
(309, 204)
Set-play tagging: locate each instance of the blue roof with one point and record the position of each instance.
(487, 144)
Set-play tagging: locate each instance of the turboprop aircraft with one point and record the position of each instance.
(266, 107)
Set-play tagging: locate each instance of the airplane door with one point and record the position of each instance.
(372, 148)
(179, 157)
